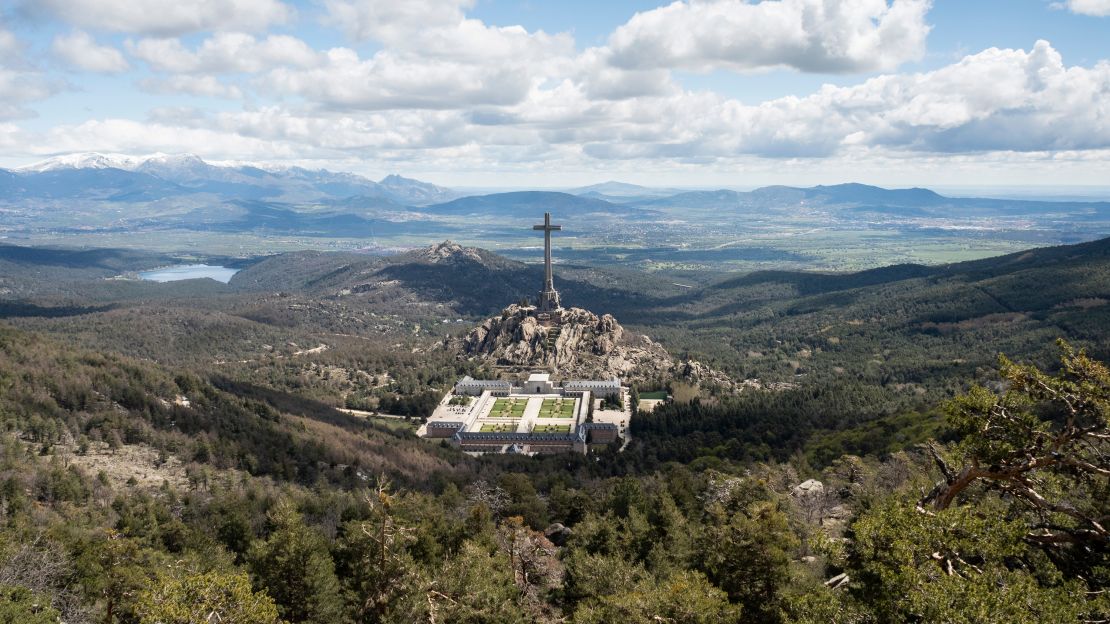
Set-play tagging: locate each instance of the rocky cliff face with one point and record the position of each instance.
(584, 345)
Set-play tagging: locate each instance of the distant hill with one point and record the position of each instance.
(462, 280)
(854, 199)
(621, 191)
(467, 280)
(414, 192)
(261, 217)
(855, 194)
(903, 324)
(711, 200)
(110, 260)
(30, 276)
(863, 193)
(523, 203)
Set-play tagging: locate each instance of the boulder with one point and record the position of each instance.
(809, 487)
(558, 534)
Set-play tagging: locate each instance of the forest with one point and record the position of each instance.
(271, 517)
(173, 456)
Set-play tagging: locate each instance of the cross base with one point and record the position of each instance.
(549, 301)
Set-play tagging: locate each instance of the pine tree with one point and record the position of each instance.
(295, 568)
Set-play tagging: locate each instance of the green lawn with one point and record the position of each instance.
(557, 408)
(551, 429)
(506, 408)
(658, 395)
(498, 428)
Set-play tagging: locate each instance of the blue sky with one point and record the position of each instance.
(507, 93)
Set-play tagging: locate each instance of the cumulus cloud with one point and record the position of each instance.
(1096, 8)
(433, 57)
(78, 49)
(137, 137)
(441, 87)
(393, 22)
(207, 86)
(438, 29)
(807, 35)
(225, 53)
(391, 81)
(997, 100)
(18, 89)
(21, 83)
(168, 17)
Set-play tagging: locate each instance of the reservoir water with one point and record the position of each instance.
(189, 271)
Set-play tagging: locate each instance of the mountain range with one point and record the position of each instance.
(123, 178)
(157, 177)
(92, 193)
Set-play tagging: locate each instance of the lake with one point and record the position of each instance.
(189, 271)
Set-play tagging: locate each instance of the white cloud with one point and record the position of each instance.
(602, 80)
(136, 137)
(169, 17)
(457, 64)
(208, 86)
(78, 49)
(21, 83)
(391, 81)
(994, 101)
(225, 53)
(444, 88)
(9, 45)
(1096, 8)
(1002, 101)
(807, 35)
(433, 58)
(997, 100)
(393, 22)
(18, 89)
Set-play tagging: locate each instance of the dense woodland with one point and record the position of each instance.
(170, 458)
(277, 519)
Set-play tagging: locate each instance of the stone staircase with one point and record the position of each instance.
(552, 336)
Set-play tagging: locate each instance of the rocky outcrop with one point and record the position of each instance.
(582, 345)
(448, 251)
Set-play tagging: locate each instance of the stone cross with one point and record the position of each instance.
(549, 298)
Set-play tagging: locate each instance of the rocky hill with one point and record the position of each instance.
(584, 345)
(454, 279)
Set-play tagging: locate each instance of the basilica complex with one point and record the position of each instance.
(533, 413)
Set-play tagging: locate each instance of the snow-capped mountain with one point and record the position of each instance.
(94, 175)
(84, 160)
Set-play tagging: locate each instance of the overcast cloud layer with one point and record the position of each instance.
(423, 86)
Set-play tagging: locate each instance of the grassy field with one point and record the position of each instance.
(508, 408)
(499, 427)
(658, 395)
(551, 429)
(557, 408)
